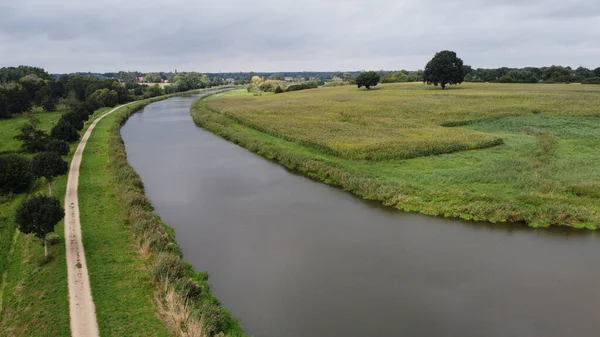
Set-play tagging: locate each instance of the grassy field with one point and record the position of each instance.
(542, 166)
(400, 121)
(33, 294)
(9, 128)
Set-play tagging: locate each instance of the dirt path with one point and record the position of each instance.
(81, 305)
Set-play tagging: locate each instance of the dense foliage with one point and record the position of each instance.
(367, 79)
(15, 173)
(552, 74)
(63, 130)
(444, 68)
(39, 215)
(49, 165)
(58, 146)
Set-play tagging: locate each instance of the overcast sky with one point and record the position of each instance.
(295, 35)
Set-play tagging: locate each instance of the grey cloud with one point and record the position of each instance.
(278, 35)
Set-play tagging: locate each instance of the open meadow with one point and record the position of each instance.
(496, 152)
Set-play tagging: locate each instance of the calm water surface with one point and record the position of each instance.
(293, 257)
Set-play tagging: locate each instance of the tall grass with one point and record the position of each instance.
(400, 121)
(182, 295)
(543, 174)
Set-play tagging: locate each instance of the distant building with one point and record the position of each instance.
(140, 79)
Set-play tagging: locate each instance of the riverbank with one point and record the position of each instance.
(35, 299)
(182, 295)
(528, 178)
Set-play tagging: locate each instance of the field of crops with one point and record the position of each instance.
(401, 121)
(546, 171)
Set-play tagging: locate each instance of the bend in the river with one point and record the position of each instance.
(293, 257)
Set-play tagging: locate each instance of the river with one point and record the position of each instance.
(297, 258)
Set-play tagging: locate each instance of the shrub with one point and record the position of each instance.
(188, 288)
(168, 266)
(591, 80)
(278, 90)
(302, 86)
(15, 173)
(63, 130)
(52, 238)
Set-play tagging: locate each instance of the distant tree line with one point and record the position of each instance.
(553, 74)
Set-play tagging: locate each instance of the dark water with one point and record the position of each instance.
(296, 258)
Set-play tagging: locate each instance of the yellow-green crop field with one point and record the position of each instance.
(402, 121)
(497, 152)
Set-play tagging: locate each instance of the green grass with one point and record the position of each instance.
(402, 120)
(121, 286)
(545, 172)
(9, 128)
(35, 295)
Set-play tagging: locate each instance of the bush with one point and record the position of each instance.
(591, 80)
(74, 119)
(278, 90)
(15, 173)
(59, 146)
(302, 86)
(52, 238)
(168, 266)
(64, 131)
(188, 288)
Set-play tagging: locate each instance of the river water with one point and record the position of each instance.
(297, 258)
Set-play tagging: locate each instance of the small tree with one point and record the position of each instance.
(444, 68)
(39, 215)
(15, 173)
(49, 165)
(34, 139)
(367, 79)
(65, 131)
(59, 146)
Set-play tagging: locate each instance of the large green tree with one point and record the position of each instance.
(39, 215)
(367, 79)
(49, 165)
(444, 68)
